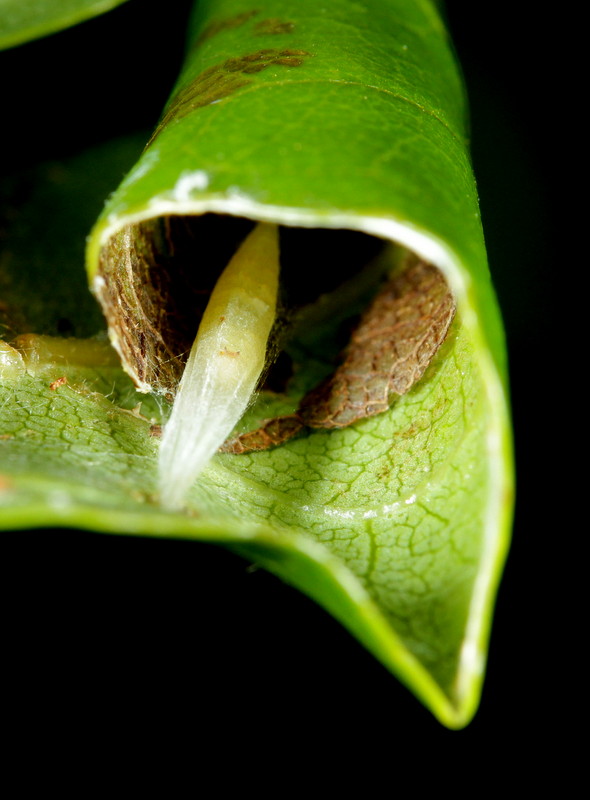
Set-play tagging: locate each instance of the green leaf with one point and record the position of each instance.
(23, 20)
(350, 116)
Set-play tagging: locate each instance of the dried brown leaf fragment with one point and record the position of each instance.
(388, 353)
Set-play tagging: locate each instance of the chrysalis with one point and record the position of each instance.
(224, 364)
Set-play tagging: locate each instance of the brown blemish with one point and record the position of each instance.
(418, 426)
(292, 52)
(389, 351)
(273, 26)
(229, 353)
(58, 382)
(156, 431)
(210, 86)
(289, 61)
(221, 25)
(252, 69)
(224, 79)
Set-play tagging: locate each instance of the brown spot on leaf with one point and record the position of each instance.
(251, 69)
(255, 56)
(58, 382)
(272, 26)
(289, 61)
(221, 80)
(227, 24)
(212, 85)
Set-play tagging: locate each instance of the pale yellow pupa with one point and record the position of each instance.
(224, 365)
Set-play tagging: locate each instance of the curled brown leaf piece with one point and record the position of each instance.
(389, 351)
(271, 433)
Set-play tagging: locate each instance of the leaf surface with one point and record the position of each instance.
(348, 116)
(23, 20)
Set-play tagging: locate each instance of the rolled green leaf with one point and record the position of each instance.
(344, 125)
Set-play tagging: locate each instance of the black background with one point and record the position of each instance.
(170, 643)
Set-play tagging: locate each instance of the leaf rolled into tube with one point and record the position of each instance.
(347, 117)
